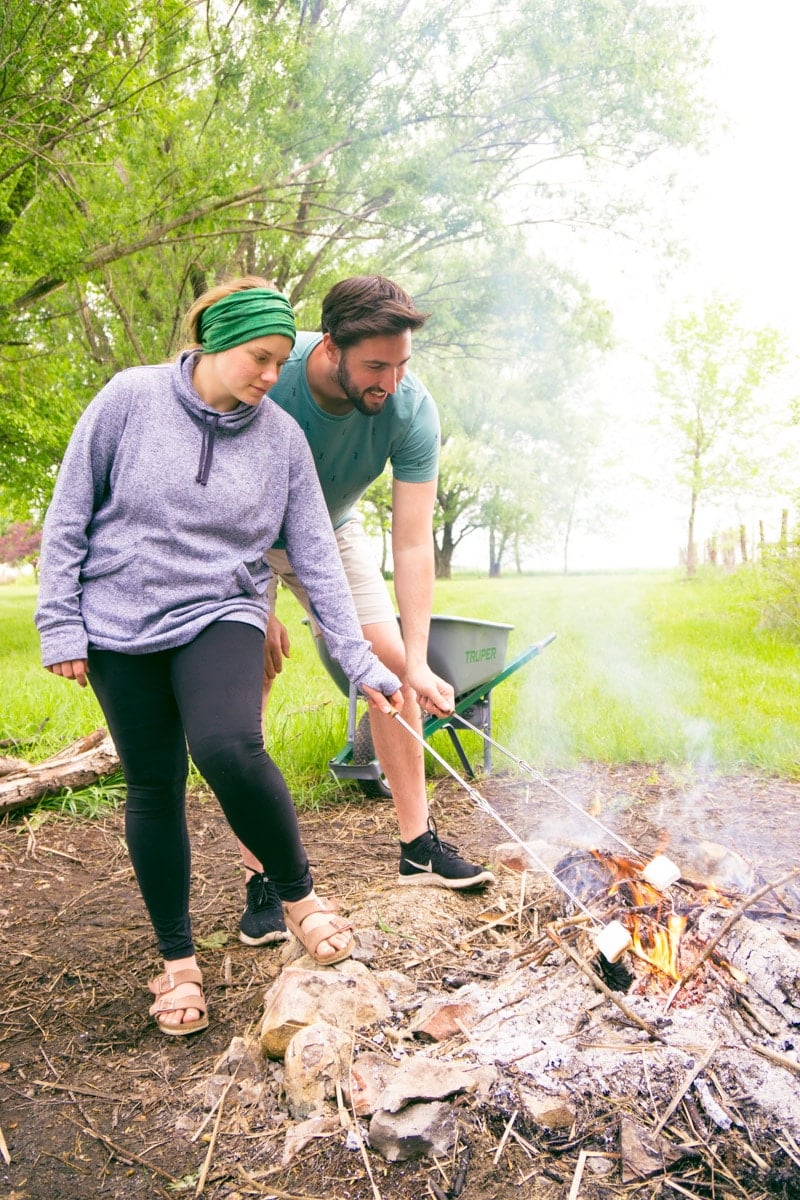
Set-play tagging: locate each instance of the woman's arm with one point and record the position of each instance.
(82, 480)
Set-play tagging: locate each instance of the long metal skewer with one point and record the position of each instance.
(660, 871)
(613, 939)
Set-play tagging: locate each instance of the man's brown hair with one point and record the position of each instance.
(368, 306)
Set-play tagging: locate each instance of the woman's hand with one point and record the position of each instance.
(77, 669)
(384, 704)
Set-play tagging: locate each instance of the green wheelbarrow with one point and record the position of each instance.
(471, 656)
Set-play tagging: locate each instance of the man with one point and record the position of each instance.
(350, 390)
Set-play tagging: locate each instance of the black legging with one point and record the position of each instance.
(206, 694)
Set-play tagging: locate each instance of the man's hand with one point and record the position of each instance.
(384, 704)
(276, 647)
(77, 669)
(434, 695)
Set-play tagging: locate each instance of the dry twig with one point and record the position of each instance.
(126, 1156)
(352, 1126)
(504, 1138)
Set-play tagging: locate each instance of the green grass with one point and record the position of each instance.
(646, 667)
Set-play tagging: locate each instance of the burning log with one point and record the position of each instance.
(77, 765)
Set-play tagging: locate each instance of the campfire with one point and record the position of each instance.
(689, 1042)
(660, 923)
(665, 927)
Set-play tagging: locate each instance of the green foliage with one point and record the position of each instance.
(149, 149)
(96, 800)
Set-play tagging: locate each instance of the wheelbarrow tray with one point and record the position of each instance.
(470, 654)
(463, 651)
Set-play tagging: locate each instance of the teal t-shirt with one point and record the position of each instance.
(351, 451)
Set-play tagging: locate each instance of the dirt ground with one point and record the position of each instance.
(94, 1102)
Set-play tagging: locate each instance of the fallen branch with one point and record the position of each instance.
(9, 765)
(75, 766)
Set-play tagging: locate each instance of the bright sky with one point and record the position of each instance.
(737, 209)
(738, 213)
(744, 222)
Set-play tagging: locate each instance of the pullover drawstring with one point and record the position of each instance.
(210, 423)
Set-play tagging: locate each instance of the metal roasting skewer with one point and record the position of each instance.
(660, 872)
(613, 939)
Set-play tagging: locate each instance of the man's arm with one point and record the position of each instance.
(414, 572)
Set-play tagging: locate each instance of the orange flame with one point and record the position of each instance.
(657, 945)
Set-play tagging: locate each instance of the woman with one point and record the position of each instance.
(176, 480)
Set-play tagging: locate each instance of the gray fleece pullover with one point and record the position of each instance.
(162, 512)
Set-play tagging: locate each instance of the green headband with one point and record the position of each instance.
(242, 316)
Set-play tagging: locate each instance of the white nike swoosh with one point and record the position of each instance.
(428, 866)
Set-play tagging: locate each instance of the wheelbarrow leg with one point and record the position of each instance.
(485, 708)
(459, 749)
(481, 712)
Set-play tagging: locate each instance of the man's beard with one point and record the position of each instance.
(355, 397)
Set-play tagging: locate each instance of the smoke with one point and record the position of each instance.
(604, 693)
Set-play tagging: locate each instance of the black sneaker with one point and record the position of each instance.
(429, 861)
(262, 920)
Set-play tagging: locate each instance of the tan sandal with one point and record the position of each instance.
(164, 987)
(296, 913)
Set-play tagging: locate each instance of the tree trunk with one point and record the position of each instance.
(568, 533)
(494, 553)
(443, 552)
(691, 548)
(743, 542)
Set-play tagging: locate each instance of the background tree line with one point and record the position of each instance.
(149, 149)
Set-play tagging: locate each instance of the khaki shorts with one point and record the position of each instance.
(367, 585)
